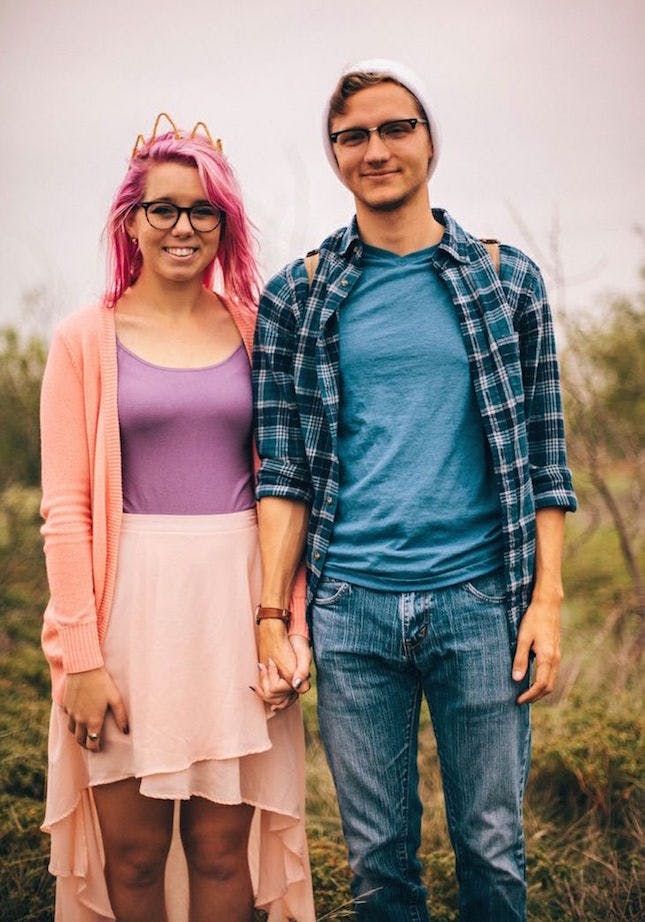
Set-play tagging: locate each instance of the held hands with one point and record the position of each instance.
(539, 632)
(283, 664)
(88, 696)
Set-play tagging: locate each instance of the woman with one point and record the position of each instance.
(152, 560)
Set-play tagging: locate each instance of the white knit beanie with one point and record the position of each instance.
(406, 78)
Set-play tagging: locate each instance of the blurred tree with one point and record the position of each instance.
(602, 377)
(602, 372)
(22, 361)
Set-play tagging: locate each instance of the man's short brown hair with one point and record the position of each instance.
(353, 83)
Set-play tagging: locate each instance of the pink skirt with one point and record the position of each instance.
(181, 648)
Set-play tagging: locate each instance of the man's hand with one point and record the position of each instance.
(540, 633)
(284, 664)
(302, 650)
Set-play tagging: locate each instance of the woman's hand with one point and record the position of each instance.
(273, 689)
(86, 700)
(282, 679)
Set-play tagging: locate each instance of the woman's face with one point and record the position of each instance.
(179, 253)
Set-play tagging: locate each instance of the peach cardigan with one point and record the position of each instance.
(82, 499)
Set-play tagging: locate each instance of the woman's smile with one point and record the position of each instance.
(180, 252)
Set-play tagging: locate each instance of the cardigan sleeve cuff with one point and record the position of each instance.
(80, 645)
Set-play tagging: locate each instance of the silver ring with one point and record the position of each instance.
(93, 737)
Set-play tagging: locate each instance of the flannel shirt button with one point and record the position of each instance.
(316, 555)
(343, 282)
(329, 500)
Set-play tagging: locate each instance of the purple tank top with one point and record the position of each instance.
(185, 436)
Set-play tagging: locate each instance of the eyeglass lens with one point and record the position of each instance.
(164, 216)
(390, 131)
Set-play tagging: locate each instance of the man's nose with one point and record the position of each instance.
(376, 148)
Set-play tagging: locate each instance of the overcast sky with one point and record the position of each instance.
(539, 102)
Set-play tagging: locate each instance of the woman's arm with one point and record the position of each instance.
(66, 508)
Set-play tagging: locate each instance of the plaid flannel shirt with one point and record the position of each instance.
(507, 329)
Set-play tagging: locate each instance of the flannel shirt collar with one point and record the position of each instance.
(455, 240)
(349, 238)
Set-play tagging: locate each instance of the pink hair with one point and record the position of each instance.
(235, 261)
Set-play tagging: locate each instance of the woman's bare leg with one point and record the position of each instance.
(136, 833)
(215, 839)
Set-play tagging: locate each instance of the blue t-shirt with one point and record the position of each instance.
(418, 507)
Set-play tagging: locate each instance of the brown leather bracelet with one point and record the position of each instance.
(263, 613)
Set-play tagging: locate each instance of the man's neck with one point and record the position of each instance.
(407, 229)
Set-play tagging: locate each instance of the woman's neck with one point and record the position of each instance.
(163, 297)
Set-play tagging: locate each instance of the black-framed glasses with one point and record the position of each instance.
(389, 132)
(203, 216)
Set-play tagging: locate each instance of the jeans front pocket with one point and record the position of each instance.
(330, 591)
(489, 588)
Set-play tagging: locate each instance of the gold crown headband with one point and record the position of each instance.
(141, 141)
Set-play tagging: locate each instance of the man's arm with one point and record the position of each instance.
(550, 474)
(540, 626)
(284, 486)
(552, 488)
(283, 533)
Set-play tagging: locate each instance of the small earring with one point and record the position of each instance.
(135, 241)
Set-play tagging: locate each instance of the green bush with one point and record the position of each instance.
(22, 362)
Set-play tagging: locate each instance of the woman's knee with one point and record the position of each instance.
(216, 847)
(136, 832)
(138, 862)
(218, 857)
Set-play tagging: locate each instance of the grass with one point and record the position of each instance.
(584, 838)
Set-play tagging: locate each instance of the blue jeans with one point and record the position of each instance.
(376, 654)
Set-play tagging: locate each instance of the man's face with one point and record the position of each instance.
(383, 175)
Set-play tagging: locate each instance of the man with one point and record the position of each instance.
(410, 429)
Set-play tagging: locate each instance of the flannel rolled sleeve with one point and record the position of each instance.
(550, 475)
(284, 469)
